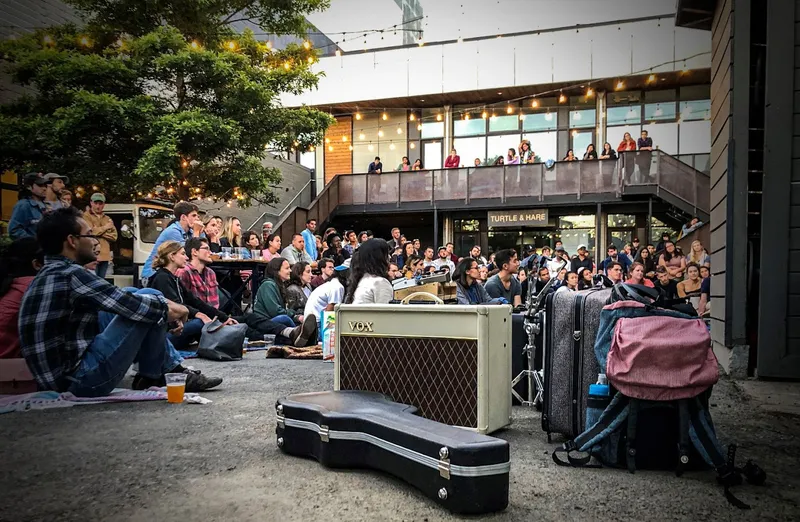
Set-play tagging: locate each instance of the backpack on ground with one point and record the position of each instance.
(653, 413)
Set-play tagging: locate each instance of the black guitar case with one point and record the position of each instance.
(462, 470)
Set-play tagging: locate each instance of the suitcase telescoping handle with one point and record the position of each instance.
(421, 294)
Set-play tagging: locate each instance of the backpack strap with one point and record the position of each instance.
(611, 418)
(630, 443)
(684, 421)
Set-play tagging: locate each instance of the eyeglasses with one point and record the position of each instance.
(92, 236)
(204, 248)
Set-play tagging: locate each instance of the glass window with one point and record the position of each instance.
(658, 228)
(308, 160)
(152, 221)
(434, 129)
(540, 121)
(572, 238)
(665, 136)
(544, 144)
(621, 221)
(504, 123)
(695, 137)
(582, 118)
(620, 115)
(580, 141)
(696, 110)
(466, 225)
(659, 111)
(470, 148)
(499, 145)
(570, 222)
(472, 127)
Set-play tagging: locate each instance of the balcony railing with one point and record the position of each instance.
(634, 172)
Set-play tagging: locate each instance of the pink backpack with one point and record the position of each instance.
(661, 358)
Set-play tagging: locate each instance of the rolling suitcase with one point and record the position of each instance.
(570, 366)
(461, 470)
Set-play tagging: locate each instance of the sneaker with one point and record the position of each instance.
(301, 334)
(198, 382)
(140, 382)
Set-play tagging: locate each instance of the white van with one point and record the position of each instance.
(138, 225)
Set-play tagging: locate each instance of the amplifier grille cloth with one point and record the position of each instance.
(438, 376)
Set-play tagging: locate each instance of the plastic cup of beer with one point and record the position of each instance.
(255, 254)
(226, 252)
(176, 386)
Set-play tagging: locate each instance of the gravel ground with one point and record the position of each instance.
(159, 462)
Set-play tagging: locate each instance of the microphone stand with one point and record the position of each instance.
(533, 320)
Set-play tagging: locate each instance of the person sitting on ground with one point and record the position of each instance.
(582, 260)
(665, 284)
(704, 304)
(369, 269)
(351, 243)
(271, 298)
(213, 231)
(296, 252)
(637, 276)
(673, 261)
(325, 273)
(335, 250)
(542, 279)
(272, 247)
(649, 264)
(469, 290)
(79, 333)
(406, 252)
(613, 256)
(428, 256)
(504, 284)
(444, 260)
(660, 245)
(698, 254)
(201, 281)
(475, 253)
(585, 280)
(298, 288)
(186, 224)
(570, 283)
(30, 208)
(414, 267)
(483, 274)
(690, 287)
(614, 272)
(19, 263)
(327, 295)
(170, 258)
(394, 272)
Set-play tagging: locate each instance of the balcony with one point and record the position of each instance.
(655, 174)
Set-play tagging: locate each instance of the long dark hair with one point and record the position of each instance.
(371, 258)
(246, 239)
(667, 255)
(648, 262)
(460, 274)
(296, 275)
(17, 261)
(273, 272)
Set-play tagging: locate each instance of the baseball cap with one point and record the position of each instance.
(266, 225)
(560, 249)
(546, 248)
(344, 266)
(99, 197)
(612, 246)
(50, 176)
(582, 246)
(441, 248)
(635, 240)
(34, 178)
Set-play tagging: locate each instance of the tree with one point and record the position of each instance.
(162, 97)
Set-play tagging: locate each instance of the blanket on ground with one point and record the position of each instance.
(291, 352)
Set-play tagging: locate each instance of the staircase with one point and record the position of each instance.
(666, 178)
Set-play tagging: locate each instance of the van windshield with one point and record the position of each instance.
(151, 222)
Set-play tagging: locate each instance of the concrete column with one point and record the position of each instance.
(447, 227)
(601, 233)
(448, 129)
(601, 119)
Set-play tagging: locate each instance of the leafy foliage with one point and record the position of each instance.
(162, 96)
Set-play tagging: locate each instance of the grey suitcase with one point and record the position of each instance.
(570, 366)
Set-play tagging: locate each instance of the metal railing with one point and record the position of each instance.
(653, 172)
(504, 184)
(301, 199)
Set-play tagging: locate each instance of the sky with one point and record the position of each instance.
(451, 19)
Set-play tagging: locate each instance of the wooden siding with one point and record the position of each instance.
(340, 159)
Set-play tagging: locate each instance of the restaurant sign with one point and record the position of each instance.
(518, 218)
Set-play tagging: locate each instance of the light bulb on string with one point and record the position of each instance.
(548, 116)
(484, 115)
(358, 115)
(380, 134)
(651, 78)
(310, 59)
(384, 116)
(466, 116)
(562, 98)
(344, 138)
(338, 52)
(48, 40)
(269, 45)
(311, 149)
(330, 148)
(412, 146)
(327, 140)
(521, 117)
(195, 45)
(362, 136)
(419, 127)
(185, 183)
(589, 92)
(391, 146)
(620, 85)
(307, 45)
(370, 147)
(438, 117)
(412, 117)
(84, 41)
(509, 110)
(535, 103)
(399, 130)
(231, 45)
(287, 66)
(350, 147)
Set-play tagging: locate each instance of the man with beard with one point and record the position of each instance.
(80, 334)
(56, 184)
(335, 250)
(444, 260)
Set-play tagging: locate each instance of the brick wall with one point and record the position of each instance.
(339, 160)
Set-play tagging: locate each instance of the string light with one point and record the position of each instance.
(84, 41)
(338, 52)
(370, 147)
(574, 134)
(620, 85)
(95, 188)
(384, 116)
(562, 98)
(493, 117)
(589, 92)
(358, 115)
(466, 116)
(310, 59)
(484, 114)
(548, 116)
(391, 146)
(361, 136)
(195, 45)
(231, 45)
(350, 147)
(522, 117)
(509, 110)
(438, 117)
(419, 127)
(420, 42)
(287, 66)
(327, 140)
(184, 163)
(412, 146)
(380, 134)
(344, 138)
(48, 40)
(307, 45)
(399, 130)
(185, 183)
(412, 117)
(269, 45)
(651, 78)
(311, 149)
(535, 103)
(330, 148)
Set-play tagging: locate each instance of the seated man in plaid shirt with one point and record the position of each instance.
(201, 281)
(80, 334)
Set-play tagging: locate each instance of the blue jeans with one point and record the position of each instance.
(102, 269)
(284, 320)
(121, 343)
(191, 332)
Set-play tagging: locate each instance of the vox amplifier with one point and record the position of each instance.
(452, 362)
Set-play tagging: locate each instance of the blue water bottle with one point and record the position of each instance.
(598, 401)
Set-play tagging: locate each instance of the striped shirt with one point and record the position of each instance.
(58, 319)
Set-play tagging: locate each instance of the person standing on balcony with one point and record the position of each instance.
(375, 167)
(590, 154)
(477, 162)
(627, 145)
(417, 165)
(309, 239)
(645, 155)
(512, 158)
(453, 160)
(526, 155)
(608, 152)
(405, 164)
(570, 156)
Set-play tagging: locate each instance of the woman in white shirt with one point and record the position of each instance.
(369, 272)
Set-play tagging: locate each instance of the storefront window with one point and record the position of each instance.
(499, 145)
(470, 148)
(665, 136)
(658, 228)
(543, 144)
(624, 115)
(575, 231)
(467, 225)
(621, 221)
(576, 222)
